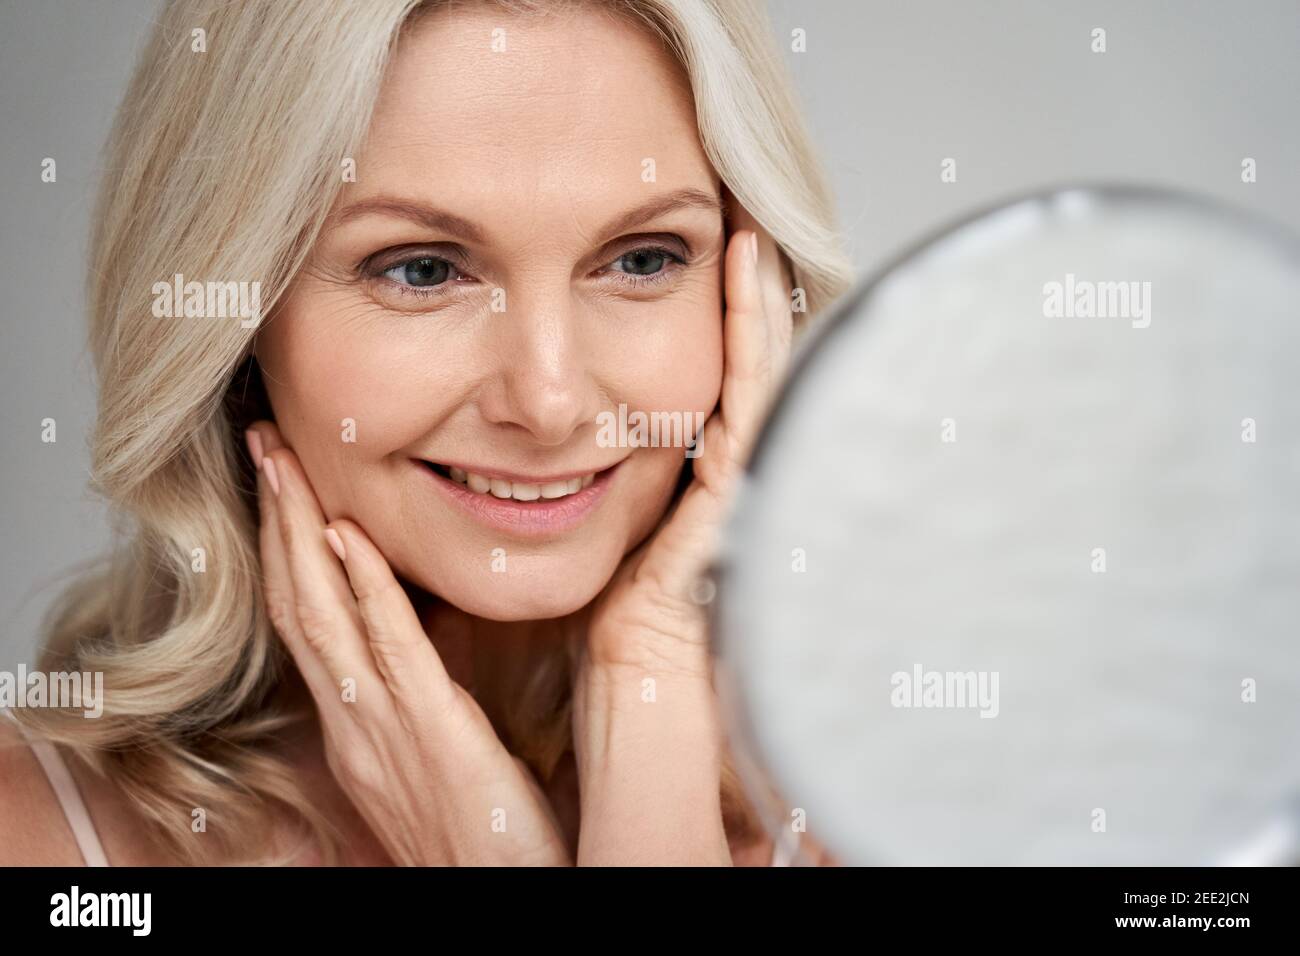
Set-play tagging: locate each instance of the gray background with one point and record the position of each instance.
(1011, 90)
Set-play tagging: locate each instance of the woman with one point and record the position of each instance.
(477, 231)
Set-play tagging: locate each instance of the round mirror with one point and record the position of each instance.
(1014, 577)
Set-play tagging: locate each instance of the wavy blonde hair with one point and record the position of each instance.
(226, 163)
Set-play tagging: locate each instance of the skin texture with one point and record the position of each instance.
(539, 149)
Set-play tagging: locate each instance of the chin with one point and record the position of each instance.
(532, 589)
(520, 603)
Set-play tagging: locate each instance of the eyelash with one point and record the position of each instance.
(674, 261)
(378, 274)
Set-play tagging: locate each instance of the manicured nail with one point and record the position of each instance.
(336, 543)
(272, 478)
(753, 248)
(254, 446)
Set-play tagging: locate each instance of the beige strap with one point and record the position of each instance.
(65, 788)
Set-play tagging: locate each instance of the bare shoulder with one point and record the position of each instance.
(33, 830)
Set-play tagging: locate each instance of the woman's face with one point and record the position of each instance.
(534, 238)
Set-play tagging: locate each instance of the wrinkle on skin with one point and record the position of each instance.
(539, 147)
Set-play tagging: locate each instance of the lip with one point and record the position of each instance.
(533, 519)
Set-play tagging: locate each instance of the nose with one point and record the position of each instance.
(543, 383)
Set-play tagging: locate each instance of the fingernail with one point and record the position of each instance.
(272, 478)
(254, 446)
(753, 248)
(336, 543)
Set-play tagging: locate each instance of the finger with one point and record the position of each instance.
(777, 286)
(774, 276)
(263, 437)
(327, 615)
(676, 557)
(539, 795)
(744, 324)
(403, 654)
(277, 586)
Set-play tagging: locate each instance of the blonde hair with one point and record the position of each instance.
(225, 164)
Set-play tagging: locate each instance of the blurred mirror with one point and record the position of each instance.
(1015, 573)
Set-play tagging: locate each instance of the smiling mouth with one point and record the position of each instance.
(490, 486)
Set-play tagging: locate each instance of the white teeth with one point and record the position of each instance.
(519, 490)
(525, 492)
(555, 489)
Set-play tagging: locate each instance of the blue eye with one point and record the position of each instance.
(642, 262)
(646, 264)
(422, 272)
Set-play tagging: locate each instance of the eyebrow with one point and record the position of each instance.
(439, 220)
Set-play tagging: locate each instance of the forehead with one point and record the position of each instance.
(561, 110)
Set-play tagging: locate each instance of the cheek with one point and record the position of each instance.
(347, 392)
(677, 370)
(676, 363)
(681, 379)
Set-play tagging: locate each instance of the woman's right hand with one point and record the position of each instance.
(411, 748)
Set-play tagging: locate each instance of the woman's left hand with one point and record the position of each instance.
(647, 734)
